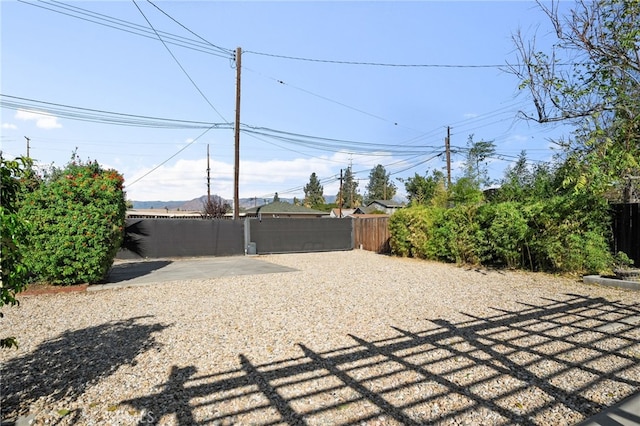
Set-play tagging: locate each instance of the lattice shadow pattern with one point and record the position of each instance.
(556, 363)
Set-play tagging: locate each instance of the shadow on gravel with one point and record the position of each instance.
(70, 363)
(553, 363)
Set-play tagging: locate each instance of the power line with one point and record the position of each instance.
(128, 27)
(102, 116)
(223, 50)
(178, 62)
(168, 159)
(376, 64)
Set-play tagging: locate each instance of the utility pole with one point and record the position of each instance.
(340, 197)
(28, 140)
(208, 180)
(236, 171)
(447, 148)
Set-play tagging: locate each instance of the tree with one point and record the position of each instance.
(591, 78)
(215, 207)
(13, 234)
(424, 190)
(475, 167)
(524, 182)
(379, 187)
(350, 196)
(77, 218)
(313, 192)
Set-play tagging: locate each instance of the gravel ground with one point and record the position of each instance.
(348, 338)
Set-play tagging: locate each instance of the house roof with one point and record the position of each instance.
(280, 207)
(390, 204)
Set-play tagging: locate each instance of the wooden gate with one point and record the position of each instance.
(372, 234)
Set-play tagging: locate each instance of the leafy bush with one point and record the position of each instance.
(13, 232)
(561, 234)
(505, 234)
(572, 234)
(77, 218)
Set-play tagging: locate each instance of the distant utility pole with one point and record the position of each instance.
(236, 171)
(340, 197)
(208, 179)
(447, 147)
(28, 140)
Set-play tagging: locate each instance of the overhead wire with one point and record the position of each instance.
(288, 137)
(102, 116)
(222, 49)
(128, 27)
(179, 64)
(377, 64)
(129, 184)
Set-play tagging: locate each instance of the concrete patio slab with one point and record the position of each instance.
(146, 272)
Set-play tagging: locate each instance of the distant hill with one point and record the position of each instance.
(197, 203)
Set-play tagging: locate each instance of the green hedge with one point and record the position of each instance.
(77, 221)
(561, 234)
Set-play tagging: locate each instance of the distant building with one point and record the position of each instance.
(384, 206)
(282, 209)
(346, 212)
(162, 214)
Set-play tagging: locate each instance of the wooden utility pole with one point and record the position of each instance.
(447, 148)
(236, 171)
(340, 197)
(208, 179)
(28, 140)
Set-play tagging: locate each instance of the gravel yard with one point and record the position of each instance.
(346, 338)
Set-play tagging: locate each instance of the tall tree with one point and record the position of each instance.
(313, 192)
(591, 77)
(380, 187)
(475, 166)
(425, 189)
(350, 196)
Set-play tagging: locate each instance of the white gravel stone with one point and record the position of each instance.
(347, 338)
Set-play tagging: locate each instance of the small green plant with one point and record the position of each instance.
(622, 261)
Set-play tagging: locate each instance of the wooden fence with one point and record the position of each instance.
(372, 234)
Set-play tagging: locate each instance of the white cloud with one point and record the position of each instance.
(187, 179)
(470, 115)
(9, 126)
(43, 120)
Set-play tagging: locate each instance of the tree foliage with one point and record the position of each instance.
(380, 187)
(14, 174)
(475, 166)
(349, 197)
(426, 190)
(313, 192)
(77, 217)
(590, 77)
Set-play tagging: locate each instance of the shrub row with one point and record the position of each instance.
(560, 234)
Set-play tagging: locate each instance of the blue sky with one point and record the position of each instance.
(355, 114)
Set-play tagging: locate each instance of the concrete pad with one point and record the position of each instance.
(611, 282)
(625, 413)
(146, 272)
